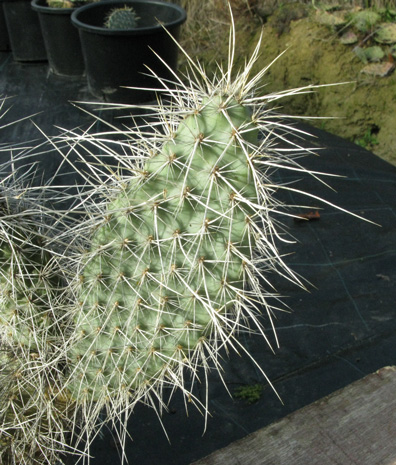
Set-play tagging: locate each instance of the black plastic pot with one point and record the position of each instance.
(4, 39)
(115, 58)
(61, 39)
(24, 31)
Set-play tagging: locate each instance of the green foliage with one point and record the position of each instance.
(388, 14)
(365, 20)
(368, 26)
(374, 53)
(334, 20)
(250, 393)
(386, 33)
(122, 18)
(368, 139)
(369, 54)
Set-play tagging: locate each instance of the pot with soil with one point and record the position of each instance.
(61, 39)
(119, 56)
(24, 31)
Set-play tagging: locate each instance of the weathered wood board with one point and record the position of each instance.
(355, 425)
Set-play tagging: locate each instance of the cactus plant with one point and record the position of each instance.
(26, 283)
(172, 262)
(181, 237)
(182, 243)
(122, 18)
(386, 33)
(60, 4)
(34, 414)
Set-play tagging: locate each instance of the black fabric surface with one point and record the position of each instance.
(341, 330)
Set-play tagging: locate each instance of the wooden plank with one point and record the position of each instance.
(355, 425)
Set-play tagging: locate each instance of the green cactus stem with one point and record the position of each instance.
(68, 3)
(169, 264)
(181, 249)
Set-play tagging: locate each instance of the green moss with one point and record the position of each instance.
(315, 55)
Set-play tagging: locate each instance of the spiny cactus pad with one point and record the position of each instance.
(122, 18)
(169, 263)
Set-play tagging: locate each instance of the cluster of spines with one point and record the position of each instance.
(25, 317)
(34, 415)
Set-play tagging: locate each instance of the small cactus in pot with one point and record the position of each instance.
(68, 3)
(122, 18)
(60, 4)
